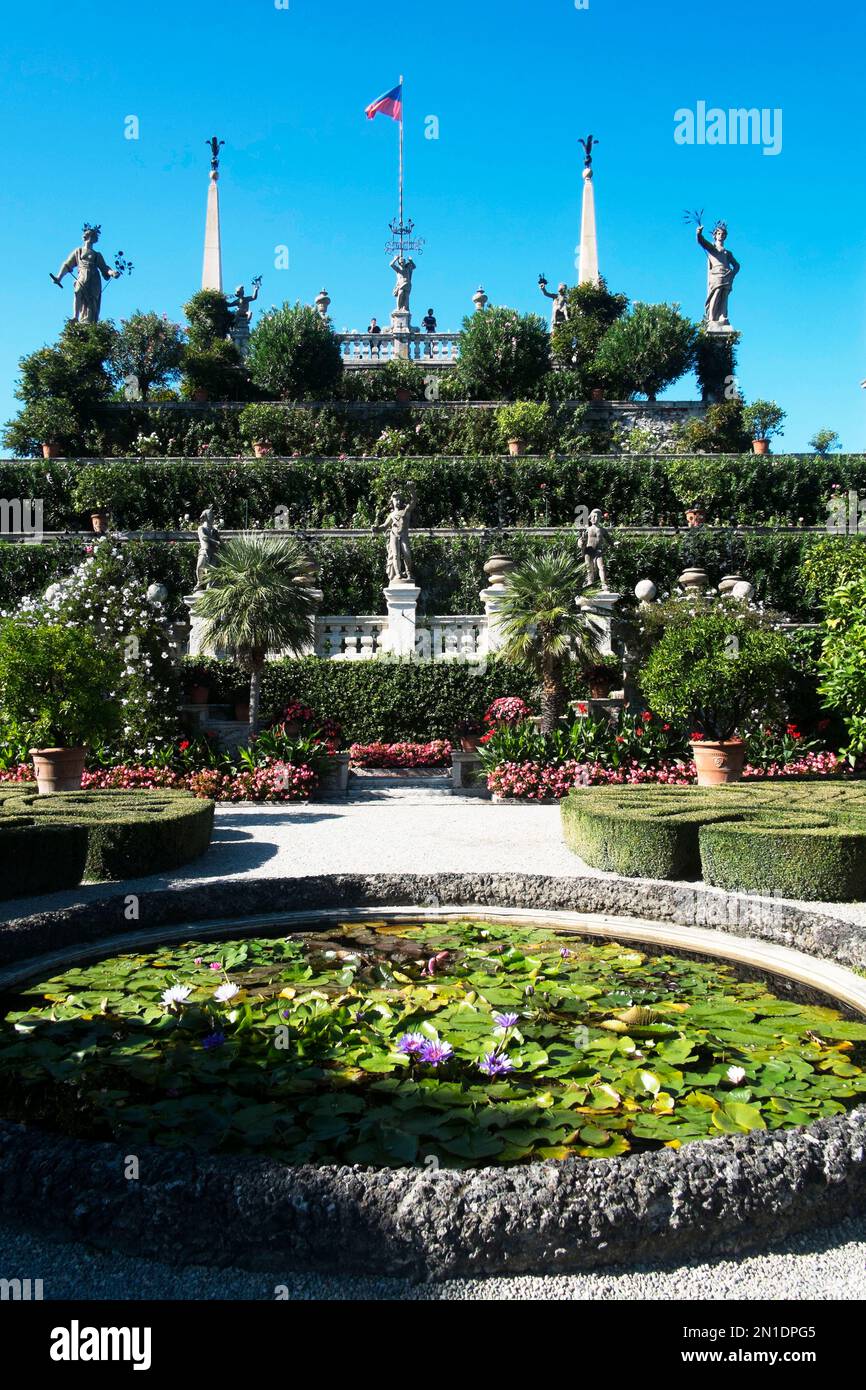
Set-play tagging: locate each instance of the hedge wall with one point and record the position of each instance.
(450, 570)
(803, 840)
(475, 489)
(125, 835)
(381, 699)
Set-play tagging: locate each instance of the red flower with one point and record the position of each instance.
(696, 738)
(793, 732)
(183, 745)
(646, 717)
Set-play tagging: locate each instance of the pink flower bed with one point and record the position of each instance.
(437, 753)
(533, 781)
(274, 781)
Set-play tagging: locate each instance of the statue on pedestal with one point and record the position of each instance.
(403, 269)
(241, 306)
(398, 562)
(559, 308)
(208, 546)
(88, 265)
(594, 542)
(722, 269)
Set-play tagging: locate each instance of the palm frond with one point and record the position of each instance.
(258, 598)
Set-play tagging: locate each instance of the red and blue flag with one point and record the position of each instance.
(391, 104)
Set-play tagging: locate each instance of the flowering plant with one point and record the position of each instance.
(436, 753)
(509, 709)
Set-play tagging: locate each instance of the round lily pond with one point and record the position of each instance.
(450, 1043)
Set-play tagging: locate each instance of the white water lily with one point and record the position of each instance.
(176, 994)
(225, 992)
(735, 1075)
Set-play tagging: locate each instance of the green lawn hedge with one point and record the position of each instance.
(51, 842)
(449, 570)
(470, 487)
(798, 839)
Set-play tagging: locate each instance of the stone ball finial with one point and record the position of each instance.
(743, 591)
(157, 593)
(645, 590)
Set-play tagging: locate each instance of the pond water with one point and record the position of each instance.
(458, 1043)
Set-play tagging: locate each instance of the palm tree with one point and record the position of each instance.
(258, 600)
(542, 626)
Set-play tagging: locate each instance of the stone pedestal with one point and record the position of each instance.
(492, 600)
(466, 775)
(196, 645)
(600, 617)
(401, 600)
(334, 779)
(401, 327)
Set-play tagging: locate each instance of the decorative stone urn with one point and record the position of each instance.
(497, 569)
(718, 763)
(58, 769)
(694, 580)
(728, 581)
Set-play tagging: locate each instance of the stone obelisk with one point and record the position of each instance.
(588, 239)
(212, 266)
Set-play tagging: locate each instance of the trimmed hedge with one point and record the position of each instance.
(403, 701)
(450, 569)
(472, 488)
(101, 834)
(801, 840)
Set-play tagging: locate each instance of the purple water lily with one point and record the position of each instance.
(495, 1064)
(505, 1020)
(412, 1044)
(564, 952)
(434, 1053)
(213, 1040)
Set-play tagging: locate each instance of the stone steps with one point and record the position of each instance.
(399, 784)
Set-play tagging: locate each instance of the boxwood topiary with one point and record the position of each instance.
(803, 840)
(38, 858)
(125, 834)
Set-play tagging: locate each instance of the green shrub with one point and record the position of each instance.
(804, 840)
(528, 421)
(721, 431)
(149, 348)
(208, 317)
(39, 858)
(843, 660)
(62, 388)
(645, 351)
(407, 700)
(57, 685)
(764, 419)
(716, 364)
(504, 355)
(128, 834)
(712, 669)
(294, 354)
(592, 310)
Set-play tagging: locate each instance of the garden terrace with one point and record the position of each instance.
(803, 840)
(54, 842)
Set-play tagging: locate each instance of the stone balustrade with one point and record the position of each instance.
(372, 349)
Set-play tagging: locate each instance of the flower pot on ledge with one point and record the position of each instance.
(58, 769)
(52, 451)
(262, 449)
(199, 694)
(718, 763)
(515, 447)
(761, 446)
(99, 521)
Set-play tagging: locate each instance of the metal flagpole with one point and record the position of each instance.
(401, 164)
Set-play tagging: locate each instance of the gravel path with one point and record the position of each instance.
(451, 835)
(826, 1265)
(406, 836)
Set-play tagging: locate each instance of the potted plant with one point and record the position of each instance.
(262, 425)
(522, 423)
(710, 672)
(602, 676)
(57, 696)
(402, 380)
(54, 424)
(198, 685)
(468, 733)
(763, 419)
(241, 702)
(695, 515)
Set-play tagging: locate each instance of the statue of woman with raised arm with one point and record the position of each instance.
(88, 265)
(722, 269)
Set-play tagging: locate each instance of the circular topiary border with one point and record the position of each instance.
(54, 841)
(721, 1195)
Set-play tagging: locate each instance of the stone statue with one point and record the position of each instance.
(215, 146)
(208, 545)
(396, 523)
(241, 303)
(559, 308)
(587, 152)
(403, 269)
(594, 541)
(88, 265)
(722, 268)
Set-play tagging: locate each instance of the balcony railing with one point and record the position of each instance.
(372, 349)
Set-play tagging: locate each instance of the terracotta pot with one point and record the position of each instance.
(242, 711)
(199, 694)
(761, 446)
(262, 449)
(403, 395)
(200, 394)
(99, 522)
(597, 393)
(695, 516)
(469, 743)
(58, 769)
(601, 688)
(515, 446)
(52, 451)
(718, 763)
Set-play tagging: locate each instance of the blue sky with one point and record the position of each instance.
(497, 195)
